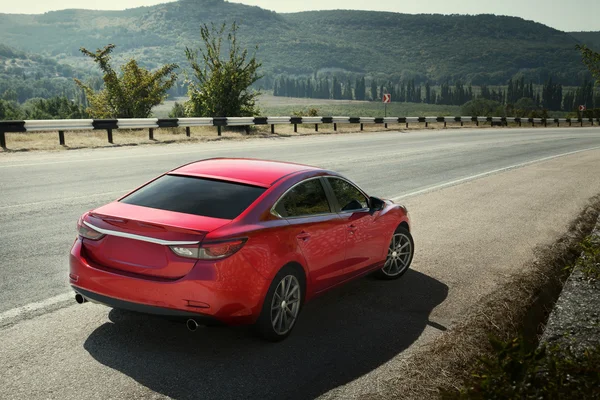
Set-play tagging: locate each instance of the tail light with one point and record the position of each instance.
(210, 251)
(86, 232)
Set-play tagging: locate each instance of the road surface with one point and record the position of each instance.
(471, 232)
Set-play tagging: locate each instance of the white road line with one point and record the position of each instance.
(484, 174)
(37, 306)
(40, 305)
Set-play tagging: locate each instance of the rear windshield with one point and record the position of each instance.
(189, 195)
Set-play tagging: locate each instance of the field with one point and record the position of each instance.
(282, 106)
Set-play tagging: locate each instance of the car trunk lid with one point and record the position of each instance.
(138, 238)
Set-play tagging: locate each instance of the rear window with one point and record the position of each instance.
(189, 195)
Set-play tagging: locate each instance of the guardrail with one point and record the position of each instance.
(154, 123)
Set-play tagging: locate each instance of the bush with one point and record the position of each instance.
(481, 107)
(178, 111)
(311, 112)
(546, 373)
(10, 110)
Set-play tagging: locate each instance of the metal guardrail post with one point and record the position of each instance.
(187, 131)
(295, 128)
(110, 137)
(61, 138)
(362, 127)
(151, 133)
(335, 127)
(219, 130)
(2, 140)
(316, 127)
(272, 128)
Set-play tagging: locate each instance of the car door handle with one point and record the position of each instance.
(303, 236)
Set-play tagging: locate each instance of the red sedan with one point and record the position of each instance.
(236, 241)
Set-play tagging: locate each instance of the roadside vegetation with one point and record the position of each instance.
(464, 363)
(524, 67)
(220, 86)
(131, 94)
(562, 369)
(515, 371)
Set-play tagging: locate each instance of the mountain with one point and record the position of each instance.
(24, 76)
(480, 49)
(591, 39)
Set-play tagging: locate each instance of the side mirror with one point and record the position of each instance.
(375, 204)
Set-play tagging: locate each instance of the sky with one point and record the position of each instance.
(574, 15)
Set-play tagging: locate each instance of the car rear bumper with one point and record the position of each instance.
(227, 291)
(144, 308)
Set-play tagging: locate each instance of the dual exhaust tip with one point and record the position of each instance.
(191, 324)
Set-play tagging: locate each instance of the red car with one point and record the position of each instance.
(236, 241)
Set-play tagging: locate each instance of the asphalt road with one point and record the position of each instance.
(468, 237)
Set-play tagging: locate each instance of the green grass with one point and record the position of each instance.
(517, 372)
(366, 109)
(283, 106)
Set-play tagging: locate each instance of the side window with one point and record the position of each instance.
(348, 196)
(307, 198)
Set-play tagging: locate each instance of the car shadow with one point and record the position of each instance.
(339, 337)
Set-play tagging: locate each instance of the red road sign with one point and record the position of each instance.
(582, 108)
(387, 98)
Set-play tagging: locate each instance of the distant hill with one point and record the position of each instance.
(25, 75)
(483, 49)
(592, 39)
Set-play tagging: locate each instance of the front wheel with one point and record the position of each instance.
(400, 255)
(282, 305)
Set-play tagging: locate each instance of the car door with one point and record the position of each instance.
(363, 242)
(318, 230)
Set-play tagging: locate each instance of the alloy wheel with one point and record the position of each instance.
(285, 304)
(399, 255)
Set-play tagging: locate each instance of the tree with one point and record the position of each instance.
(374, 96)
(10, 95)
(480, 107)
(133, 94)
(53, 108)
(221, 87)
(178, 111)
(591, 59)
(10, 110)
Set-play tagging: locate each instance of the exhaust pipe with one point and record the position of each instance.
(80, 299)
(192, 325)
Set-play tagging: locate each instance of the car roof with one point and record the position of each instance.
(248, 171)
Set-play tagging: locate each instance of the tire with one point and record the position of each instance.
(397, 263)
(277, 319)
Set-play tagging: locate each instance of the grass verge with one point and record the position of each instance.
(517, 308)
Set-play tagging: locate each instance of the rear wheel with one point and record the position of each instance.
(400, 255)
(282, 305)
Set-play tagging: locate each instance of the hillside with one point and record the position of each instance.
(24, 75)
(483, 49)
(592, 39)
